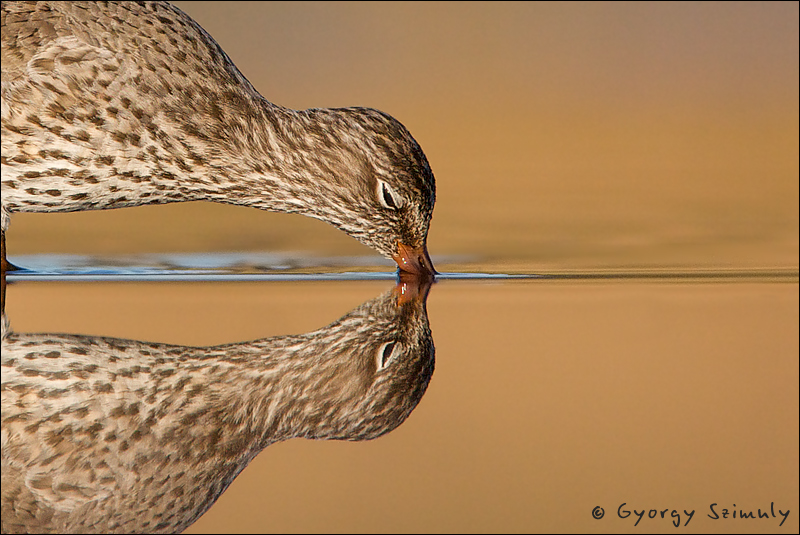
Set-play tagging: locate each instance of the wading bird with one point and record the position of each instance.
(113, 104)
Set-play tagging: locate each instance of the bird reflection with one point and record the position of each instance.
(109, 435)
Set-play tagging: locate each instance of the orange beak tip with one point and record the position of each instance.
(415, 260)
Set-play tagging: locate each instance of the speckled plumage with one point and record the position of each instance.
(114, 104)
(109, 435)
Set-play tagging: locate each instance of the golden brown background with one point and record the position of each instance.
(563, 136)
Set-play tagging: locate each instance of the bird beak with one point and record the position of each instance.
(414, 260)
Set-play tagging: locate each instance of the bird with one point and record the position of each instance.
(116, 104)
(104, 435)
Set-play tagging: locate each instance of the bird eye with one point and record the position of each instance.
(385, 354)
(388, 197)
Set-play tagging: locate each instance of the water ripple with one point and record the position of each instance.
(253, 267)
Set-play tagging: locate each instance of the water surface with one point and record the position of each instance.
(549, 398)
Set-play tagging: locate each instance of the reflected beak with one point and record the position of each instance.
(411, 287)
(414, 260)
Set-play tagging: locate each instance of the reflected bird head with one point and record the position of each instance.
(366, 372)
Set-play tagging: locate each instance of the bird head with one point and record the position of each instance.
(368, 176)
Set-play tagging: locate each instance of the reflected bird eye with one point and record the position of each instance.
(384, 354)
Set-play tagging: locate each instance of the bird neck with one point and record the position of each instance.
(278, 159)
